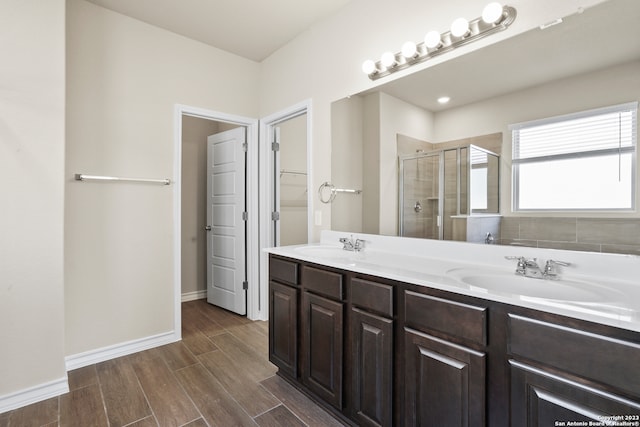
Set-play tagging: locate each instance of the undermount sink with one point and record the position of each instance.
(510, 283)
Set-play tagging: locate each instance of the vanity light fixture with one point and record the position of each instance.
(388, 60)
(492, 13)
(409, 50)
(495, 18)
(432, 40)
(460, 27)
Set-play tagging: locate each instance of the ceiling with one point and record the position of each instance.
(597, 38)
(253, 29)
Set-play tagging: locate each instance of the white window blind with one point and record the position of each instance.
(580, 161)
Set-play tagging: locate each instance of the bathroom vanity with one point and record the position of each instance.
(412, 332)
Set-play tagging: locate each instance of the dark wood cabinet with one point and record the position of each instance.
(444, 383)
(568, 375)
(283, 328)
(372, 368)
(540, 398)
(445, 379)
(322, 341)
(379, 352)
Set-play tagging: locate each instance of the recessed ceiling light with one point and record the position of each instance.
(443, 99)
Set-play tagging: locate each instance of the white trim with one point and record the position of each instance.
(90, 357)
(195, 295)
(253, 246)
(35, 394)
(266, 191)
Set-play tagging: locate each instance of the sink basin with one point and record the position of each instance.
(509, 283)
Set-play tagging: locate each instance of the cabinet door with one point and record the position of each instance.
(283, 328)
(322, 347)
(539, 398)
(372, 361)
(444, 383)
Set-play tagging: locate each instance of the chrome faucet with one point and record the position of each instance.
(530, 268)
(352, 245)
(550, 270)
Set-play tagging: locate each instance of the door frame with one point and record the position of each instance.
(253, 246)
(266, 190)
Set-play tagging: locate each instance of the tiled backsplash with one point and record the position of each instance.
(611, 235)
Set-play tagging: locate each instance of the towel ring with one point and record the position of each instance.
(332, 192)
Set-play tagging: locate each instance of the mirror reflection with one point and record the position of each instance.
(383, 136)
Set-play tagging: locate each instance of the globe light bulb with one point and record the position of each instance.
(492, 13)
(409, 50)
(432, 39)
(368, 66)
(459, 27)
(388, 59)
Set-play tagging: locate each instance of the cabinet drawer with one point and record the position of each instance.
(323, 282)
(283, 271)
(600, 358)
(372, 296)
(464, 321)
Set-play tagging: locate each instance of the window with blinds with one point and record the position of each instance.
(581, 161)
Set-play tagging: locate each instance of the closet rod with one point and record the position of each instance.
(83, 177)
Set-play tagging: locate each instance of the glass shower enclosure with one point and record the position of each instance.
(436, 187)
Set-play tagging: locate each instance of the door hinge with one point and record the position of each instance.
(275, 146)
(245, 216)
(245, 147)
(275, 216)
(245, 285)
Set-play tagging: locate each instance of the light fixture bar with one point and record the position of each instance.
(477, 30)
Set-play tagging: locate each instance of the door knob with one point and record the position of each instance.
(208, 228)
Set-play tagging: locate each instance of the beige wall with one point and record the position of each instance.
(31, 217)
(124, 79)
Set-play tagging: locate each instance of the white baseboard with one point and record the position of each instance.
(87, 358)
(55, 388)
(34, 394)
(192, 296)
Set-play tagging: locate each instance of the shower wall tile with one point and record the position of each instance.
(570, 246)
(556, 229)
(609, 230)
(622, 249)
(610, 235)
(510, 228)
(519, 242)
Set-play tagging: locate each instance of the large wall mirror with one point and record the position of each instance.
(590, 60)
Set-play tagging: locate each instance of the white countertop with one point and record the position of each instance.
(596, 287)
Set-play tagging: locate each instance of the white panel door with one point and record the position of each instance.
(226, 227)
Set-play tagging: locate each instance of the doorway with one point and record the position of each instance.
(290, 203)
(192, 127)
(271, 196)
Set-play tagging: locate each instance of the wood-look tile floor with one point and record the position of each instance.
(218, 375)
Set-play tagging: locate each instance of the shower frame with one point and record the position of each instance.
(441, 182)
